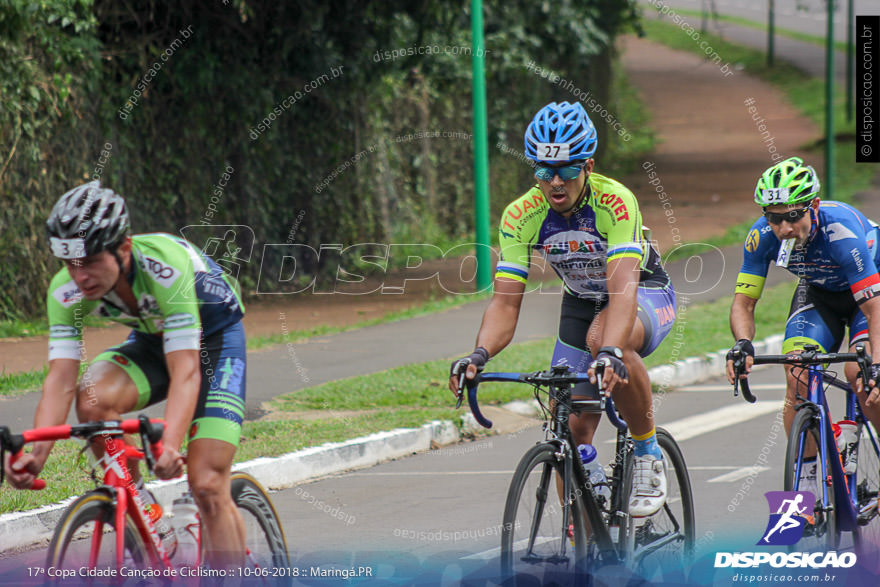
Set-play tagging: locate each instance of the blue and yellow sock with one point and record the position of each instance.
(646, 444)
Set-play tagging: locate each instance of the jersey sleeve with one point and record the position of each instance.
(618, 217)
(171, 273)
(66, 309)
(848, 243)
(756, 262)
(517, 233)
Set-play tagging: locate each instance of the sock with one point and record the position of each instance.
(646, 444)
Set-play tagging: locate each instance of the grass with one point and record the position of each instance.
(762, 26)
(13, 384)
(806, 95)
(406, 397)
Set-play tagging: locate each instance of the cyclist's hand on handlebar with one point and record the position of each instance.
(22, 473)
(874, 382)
(615, 372)
(169, 464)
(469, 365)
(743, 350)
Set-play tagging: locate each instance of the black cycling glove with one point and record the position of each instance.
(479, 357)
(874, 371)
(744, 346)
(612, 361)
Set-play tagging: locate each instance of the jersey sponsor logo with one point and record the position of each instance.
(857, 257)
(68, 294)
(837, 231)
(616, 205)
(193, 430)
(665, 315)
(179, 321)
(744, 285)
(515, 211)
(752, 241)
(121, 359)
(573, 246)
(62, 331)
(165, 275)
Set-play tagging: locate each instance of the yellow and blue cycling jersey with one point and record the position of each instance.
(606, 226)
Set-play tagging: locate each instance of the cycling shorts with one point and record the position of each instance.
(818, 316)
(656, 311)
(220, 409)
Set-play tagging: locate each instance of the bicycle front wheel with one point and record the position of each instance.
(538, 540)
(664, 541)
(821, 530)
(265, 542)
(86, 537)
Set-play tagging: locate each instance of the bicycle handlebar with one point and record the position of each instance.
(150, 431)
(559, 376)
(810, 356)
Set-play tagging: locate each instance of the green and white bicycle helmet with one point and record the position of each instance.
(787, 182)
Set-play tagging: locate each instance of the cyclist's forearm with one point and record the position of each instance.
(742, 317)
(498, 327)
(623, 307)
(185, 378)
(59, 391)
(871, 310)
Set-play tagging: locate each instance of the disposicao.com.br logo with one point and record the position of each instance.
(789, 560)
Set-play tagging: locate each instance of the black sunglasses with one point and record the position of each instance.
(791, 216)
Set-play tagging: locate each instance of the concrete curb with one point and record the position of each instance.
(33, 526)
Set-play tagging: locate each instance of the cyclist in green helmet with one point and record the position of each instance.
(834, 250)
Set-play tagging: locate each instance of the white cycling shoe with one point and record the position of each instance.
(649, 486)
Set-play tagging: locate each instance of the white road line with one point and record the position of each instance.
(738, 474)
(729, 388)
(700, 424)
(496, 552)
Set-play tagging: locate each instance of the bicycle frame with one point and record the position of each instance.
(845, 498)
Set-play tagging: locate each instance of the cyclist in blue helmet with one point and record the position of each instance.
(589, 229)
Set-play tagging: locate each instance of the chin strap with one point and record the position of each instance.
(581, 197)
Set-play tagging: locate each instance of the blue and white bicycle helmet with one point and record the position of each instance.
(560, 133)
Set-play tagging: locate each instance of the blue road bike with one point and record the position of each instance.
(845, 502)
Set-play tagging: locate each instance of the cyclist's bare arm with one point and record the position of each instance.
(742, 325)
(59, 391)
(499, 322)
(871, 310)
(183, 395)
(623, 281)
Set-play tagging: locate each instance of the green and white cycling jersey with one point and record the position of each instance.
(182, 294)
(606, 226)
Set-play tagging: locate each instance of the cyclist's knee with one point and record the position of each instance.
(89, 406)
(210, 488)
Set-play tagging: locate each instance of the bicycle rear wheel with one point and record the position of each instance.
(664, 541)
(86, 537)
(868, 487)
(821, 531)
(536, 542)
(265, 541)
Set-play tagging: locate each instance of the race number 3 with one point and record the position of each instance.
(68, 248)
(553, 151)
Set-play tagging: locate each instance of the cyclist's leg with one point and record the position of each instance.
(813, 319)
(858, 332)
(213, 439)
(571, 350)
(122, 379)
(655, 317)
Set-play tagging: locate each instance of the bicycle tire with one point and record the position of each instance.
(868, 488)
(676, 519)
(824, 533)
(265, 541)
(533, 513)
(69, 548)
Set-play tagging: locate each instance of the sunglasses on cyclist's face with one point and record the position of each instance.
(567, 173)
(791, 216)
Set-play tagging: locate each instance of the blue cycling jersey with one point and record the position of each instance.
(841, 253)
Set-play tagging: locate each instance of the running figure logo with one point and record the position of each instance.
(792, 510)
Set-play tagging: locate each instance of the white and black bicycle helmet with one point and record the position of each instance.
(87, 220)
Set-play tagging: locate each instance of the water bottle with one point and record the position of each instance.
(154, 512)
(848, 445)
(595, 471)
(186, 527)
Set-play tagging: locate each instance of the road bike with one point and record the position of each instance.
(555, 522)
(845, 502)
(109, 532)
